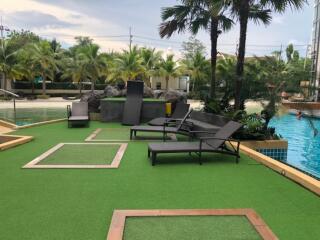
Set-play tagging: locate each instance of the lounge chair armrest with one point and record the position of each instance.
(203, 132)
(225, 139)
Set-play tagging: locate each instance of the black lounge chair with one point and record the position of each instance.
(78, 115)
(133, 104)
(216, 144)
(178, 114)
(180, 127)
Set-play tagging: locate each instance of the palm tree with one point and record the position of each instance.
(257, 11)
(94, 63)
(43, 57)
(197, 67)
(8, 62)
(168, 68)
(150, 58)
(194, 15)
(75, 69)
(129, 64)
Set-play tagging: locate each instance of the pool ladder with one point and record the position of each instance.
(14, 101)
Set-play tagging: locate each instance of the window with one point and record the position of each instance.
(158, 85)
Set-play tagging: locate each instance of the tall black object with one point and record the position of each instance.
(133, 104)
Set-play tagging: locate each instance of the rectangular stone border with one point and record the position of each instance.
(114, 164)
(92, 136)
(303, 179)
(117, 225)
(18, 141)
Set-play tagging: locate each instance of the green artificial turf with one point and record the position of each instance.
(82, 154)
(42, 204)
(190, 228)
(123, 134)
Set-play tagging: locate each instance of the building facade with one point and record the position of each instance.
(315, 52)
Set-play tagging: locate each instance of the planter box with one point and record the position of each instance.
(111, 109)
(276, 149)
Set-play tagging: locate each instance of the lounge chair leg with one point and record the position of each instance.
(237, 159)
(130, 134)
(200, 161)
(154, 156)
(148, 153)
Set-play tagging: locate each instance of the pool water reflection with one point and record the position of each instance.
(304, 146)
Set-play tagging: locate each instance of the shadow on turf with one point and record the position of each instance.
(193, 159)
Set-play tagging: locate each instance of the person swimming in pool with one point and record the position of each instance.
(299, 115)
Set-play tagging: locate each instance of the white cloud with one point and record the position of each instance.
(79, 24)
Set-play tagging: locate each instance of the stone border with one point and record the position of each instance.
(303, 179)
(17, 140)
(92, 136)
(114, 164)
(117, 225)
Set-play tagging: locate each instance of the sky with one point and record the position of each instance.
(108, 23)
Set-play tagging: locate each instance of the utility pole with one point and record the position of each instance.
(130, 38)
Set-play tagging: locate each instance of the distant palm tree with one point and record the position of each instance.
(168, 68)
(197, 67)
(43, 57)
(257, 11)
(8, 62)
(129, 64)
(194, 15)
(94, 63)
(75, 69)
(150, 59)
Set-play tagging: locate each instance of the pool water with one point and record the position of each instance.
(304, 147)
(27, 116)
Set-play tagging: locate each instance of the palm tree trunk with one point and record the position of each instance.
(43, 85)
(243, 19)
(214, 42)
(92, 86)
(4, 81)
(32, 86)
(167, 83)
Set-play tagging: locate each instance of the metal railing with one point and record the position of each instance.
(14, 101)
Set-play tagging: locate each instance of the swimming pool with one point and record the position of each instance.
(304, 147)
(27, 116)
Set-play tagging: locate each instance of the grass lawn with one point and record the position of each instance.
(78, 204)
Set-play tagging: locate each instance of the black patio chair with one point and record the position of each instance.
(178, 114)
(78, 114)
(178, 127)
(216, 144)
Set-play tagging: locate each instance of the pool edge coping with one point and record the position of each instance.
(297, 176)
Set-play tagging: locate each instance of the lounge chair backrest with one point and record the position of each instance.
(79, 109)
(224, 133)
(181, 124)
(209, 118)
(180, 110)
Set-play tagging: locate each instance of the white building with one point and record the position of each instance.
(179, 83)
